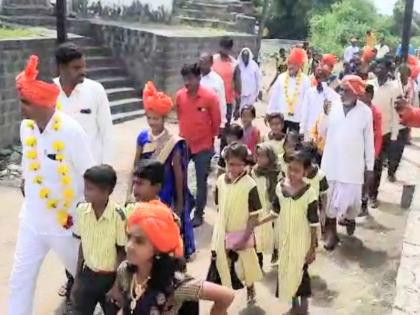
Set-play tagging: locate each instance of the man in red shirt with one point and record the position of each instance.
(377, 140)
(199, 121)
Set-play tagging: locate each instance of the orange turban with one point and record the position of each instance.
(414, 66)
(297, 57)
(329, 60)
(157, 222)
(368, 54)
(154, 101)
(36, 92)
(354, 83)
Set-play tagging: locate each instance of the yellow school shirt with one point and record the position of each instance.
(100, 237)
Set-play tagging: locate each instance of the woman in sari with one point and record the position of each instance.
(159, 144)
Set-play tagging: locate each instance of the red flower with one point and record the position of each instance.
(69, 222)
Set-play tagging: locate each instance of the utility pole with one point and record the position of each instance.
(263, 20)
(408, 18)
(60, 12)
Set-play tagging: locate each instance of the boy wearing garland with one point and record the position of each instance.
(56, 154)
(288, 92)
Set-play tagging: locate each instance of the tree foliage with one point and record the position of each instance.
(331, 30)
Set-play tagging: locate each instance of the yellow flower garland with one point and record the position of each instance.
(68, 195)
(292, 101)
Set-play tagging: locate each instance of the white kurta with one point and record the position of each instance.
(88, 104)
(39, 232)
(349, 148)
(313, 106)
(215, 82)
(251, 80)
(277, 103)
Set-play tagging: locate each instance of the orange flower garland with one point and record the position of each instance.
(60, 206)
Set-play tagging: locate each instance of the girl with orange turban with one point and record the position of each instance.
(158, 143)
(152, 279)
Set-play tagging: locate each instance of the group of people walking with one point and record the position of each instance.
(316, 167)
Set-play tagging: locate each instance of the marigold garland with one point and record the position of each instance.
(292, 101)
(68, 195)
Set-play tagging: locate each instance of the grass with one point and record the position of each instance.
(10, 33)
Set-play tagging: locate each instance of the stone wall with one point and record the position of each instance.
(138, 10)
(13, 57)
(158, 55)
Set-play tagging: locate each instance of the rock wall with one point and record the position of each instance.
(13, 57)
(139, 10)
(157, 55)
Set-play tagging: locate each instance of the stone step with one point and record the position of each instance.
(100, 72)
(200, 14)
(213, 7)
(209, 23)
(84, 42)
(101, 61)
(123, 117)
(114, 82)
(32, 20)
(125, 105)
(121, 93)
(22, 10)
(96, 51)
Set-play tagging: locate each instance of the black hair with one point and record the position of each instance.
(235, 130)
(67, 52)
(310, 150)
(226, 42)
(387, 62)
(293, 136)
(370, 89)
(270, 117)
(251, 108)
(150, 170)
(193, 69)
(237, 150)
(302, 158)
(103, 176)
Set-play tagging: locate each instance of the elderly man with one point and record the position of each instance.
(56, 153)
(348, 154)
(251, 78)
(288, 92)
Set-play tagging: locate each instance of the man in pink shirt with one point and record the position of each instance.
(199, 121)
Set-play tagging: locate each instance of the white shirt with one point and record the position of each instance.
(277, 103)
(384, 98)
(382, 51)
(313, 106)
(77, 157)
(215, 82)
(349, 148)
(251, 79)
(88, 104)
(349, 52)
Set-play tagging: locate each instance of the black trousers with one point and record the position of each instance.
(391, 151)
(290, 125)
(92, 289)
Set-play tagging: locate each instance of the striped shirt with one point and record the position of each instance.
(100, 237)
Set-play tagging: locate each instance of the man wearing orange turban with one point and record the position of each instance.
(349, 152)
(288, 92)
(51, 141)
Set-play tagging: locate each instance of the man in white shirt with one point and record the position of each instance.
(351, 50)
(56, 153)
(394, 135)
(382, 48)
(251, 78)
(288, 92)
(213, 81)
(84, 100)
(349, 153)
(315, 99)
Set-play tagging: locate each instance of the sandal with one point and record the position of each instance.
(63, 290)
(251, 295)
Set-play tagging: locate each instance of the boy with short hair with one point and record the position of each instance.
(100, 225)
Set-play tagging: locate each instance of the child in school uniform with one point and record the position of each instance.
(100, 226)
(296, 210)
(317, 179)
(266, 175)
(233, 133)
(275, 136)
(252, 135)
(239, 206)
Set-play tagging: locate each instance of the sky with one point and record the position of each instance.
(386, 6)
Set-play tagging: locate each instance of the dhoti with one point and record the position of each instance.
(344, 200)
